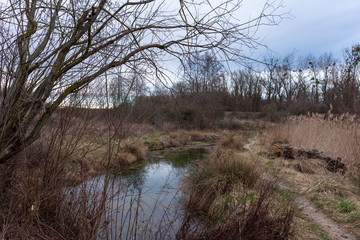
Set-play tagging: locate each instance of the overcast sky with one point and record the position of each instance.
(317, 26)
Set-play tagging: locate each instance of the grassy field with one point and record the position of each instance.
(238, 191)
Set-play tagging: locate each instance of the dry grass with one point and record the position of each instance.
(234, 123)
(36, 204)
(233, 142)
(334, 135)
(179, 138)
(218, 176)
(304, 166)
(135, 147)
(228, 190)
(131, 151)
(252, 217)
(335, 194)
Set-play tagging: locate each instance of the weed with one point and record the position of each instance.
(324, 236)
(347, 206)
(304, 167)
(319, 204)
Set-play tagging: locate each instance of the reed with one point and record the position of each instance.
(336, 136)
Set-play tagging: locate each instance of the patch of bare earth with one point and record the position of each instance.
(311, 222)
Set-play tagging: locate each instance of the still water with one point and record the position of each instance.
(145, 201)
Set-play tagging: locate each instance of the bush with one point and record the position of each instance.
(180, 114)
(233, 142)
(272, 113)
(302, 108)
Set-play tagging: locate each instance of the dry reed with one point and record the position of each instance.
(336, 136)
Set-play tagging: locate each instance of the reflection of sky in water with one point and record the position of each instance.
(152, 201)
(147, 200)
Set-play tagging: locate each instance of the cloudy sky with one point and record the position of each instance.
(317, 26)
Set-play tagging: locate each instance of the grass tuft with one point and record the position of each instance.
(347, 206)
(227, 190)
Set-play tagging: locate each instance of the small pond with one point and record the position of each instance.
(145, 201)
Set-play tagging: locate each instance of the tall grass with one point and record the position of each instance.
(36, 201)
(228, 191)
(336, 136)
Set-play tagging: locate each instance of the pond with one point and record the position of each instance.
(145, 201)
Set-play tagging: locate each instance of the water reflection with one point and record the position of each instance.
(144, 202)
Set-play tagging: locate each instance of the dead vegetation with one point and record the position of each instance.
(35, 204)
(131, 150)
(179, 138)
(282, 148)
(227, 190)
(333, 135)
(312, 165)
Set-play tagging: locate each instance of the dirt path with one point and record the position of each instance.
(327, 224)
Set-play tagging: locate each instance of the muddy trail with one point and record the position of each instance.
(333, 230)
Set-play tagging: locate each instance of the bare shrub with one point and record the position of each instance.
(35, 204)
(266, 220)
(35, 200)
(125, 159)
(234, 123)
(272, 112)
(231, 124)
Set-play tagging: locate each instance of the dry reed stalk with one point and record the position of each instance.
(336, 136)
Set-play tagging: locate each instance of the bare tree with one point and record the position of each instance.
(204, 73)
(349, 86)
(314, 71)
(302, 94)
(326, 63)
(284, 74)
(270, 82)
(52, 49)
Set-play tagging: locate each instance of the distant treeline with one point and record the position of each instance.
(284, 85)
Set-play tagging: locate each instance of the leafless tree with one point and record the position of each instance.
(349, 85)
(247, 89)
(285, 75)
(326, 64)
(302, 94)
(314, 72)
(270, 82)
(52, 49)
